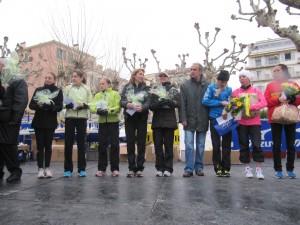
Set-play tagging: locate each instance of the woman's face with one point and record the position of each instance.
(49, 79)
(76, 79)
(244, 80)
(103, 85)
(163, 78)
(139, 77)
(278, 73)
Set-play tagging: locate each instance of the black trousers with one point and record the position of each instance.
(254, 131)
(44, 139)
(108, 132)
(220, 161)
(164, 159)
(70, 126)
(290, 136)
(136, 129)
(9, 156)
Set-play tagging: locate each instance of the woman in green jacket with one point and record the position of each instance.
(106, 104)
(76, 115)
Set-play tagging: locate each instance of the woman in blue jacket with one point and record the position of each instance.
(216, 98)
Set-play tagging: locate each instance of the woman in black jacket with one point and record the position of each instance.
(135, 101)
(163, 125)
(45, 122)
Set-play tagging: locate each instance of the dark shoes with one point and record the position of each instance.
(187, 174)
(199, 173)
(13, 177)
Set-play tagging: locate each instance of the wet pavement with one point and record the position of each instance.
(150, 200)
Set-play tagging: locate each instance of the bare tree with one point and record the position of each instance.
(265, 16)
(131, 64)
(231, 59)
(5, 51)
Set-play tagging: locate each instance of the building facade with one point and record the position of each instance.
(269, 53)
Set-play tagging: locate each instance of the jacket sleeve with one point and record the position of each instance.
(209, 100)
(271, 101)
(183, 104)
(124, 100)
(146, 103)
(115, 107)
(33, 104)
(262, 103)
(20, 101)
(93, 108)
(175, 99)
(58, 104)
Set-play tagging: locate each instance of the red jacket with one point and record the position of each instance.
(272, 94)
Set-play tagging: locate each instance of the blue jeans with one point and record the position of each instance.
(190, 163)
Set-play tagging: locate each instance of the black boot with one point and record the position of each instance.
(13, 177)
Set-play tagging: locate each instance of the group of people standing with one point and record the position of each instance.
(199, 104)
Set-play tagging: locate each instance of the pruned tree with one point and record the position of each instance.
(5, 51)
(131, 64)
(230, 59)
(265, 16)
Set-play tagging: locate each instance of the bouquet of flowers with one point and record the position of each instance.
(45, 96)
(77, 101)
(235, 106)
(290, 89)
(135, 98)
(161, 92)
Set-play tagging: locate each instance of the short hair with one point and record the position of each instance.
(108, 81)
(199, 66)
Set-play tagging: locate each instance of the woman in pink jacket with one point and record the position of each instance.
(250, 126)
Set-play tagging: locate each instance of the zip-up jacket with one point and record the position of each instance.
(83, 94)
(255, 107)
(214, 102)
(113, 99)
(273, 92)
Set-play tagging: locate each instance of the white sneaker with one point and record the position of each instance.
(167, 174)
(41, 173)
(48, 173)
(259, 174)
(159, 174)
(248, 172)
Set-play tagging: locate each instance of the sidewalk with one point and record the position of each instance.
(150, 200)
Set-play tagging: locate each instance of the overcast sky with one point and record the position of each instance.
(140, 25)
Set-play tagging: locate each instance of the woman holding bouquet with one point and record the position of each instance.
(275, 97)
(250, 125)
(136, 101)
(46, 101)
(106, 104)
(216, 98)
(76, 115)
(164, 124)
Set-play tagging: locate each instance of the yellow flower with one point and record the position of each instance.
(239, 103)
(234, 99)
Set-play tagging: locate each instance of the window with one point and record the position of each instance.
(287, 56)
(257, 62)
(60, 53)
(258, 74)
(271, 60)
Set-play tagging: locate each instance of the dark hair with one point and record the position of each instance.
(285, 71)
(53, 75)
(80, 74)
(131, 81)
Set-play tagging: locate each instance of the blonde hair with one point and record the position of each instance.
(131, 81)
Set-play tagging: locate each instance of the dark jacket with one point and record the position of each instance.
(14, 104)
(191, 108)
(145, 103)
(46, 117)
(164, 110)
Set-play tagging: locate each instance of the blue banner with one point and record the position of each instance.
(266, 138)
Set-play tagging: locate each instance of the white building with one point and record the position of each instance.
(270, 53)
